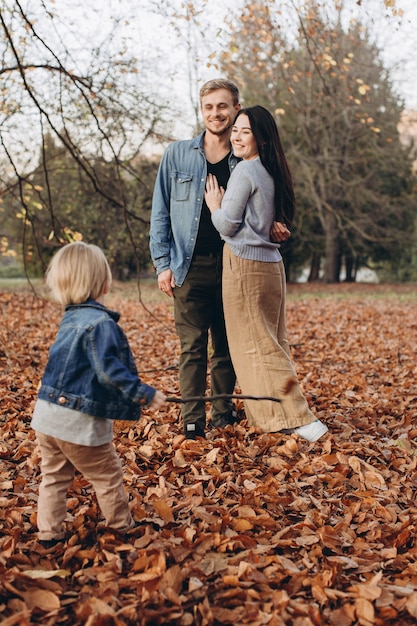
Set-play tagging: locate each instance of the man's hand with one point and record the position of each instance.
(279, 232)
(166, 282)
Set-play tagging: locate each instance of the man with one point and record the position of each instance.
(186, 251)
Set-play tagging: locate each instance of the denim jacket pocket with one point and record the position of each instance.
(181, 186)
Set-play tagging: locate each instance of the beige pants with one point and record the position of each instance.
(254, 309)
(100, 465)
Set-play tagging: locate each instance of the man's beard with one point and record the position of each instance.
(221, 132)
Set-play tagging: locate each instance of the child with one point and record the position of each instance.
(90, 379)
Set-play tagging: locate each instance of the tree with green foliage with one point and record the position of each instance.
(75, 74)
(59, 198)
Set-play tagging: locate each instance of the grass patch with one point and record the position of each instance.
(146, 290)
(348, 291)
(20, 285)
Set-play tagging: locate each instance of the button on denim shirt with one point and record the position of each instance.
(91, 368)
(176, 205)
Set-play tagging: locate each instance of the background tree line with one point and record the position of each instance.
(91, 177)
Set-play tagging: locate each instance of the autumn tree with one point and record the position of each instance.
(339, 118)
(73, 83)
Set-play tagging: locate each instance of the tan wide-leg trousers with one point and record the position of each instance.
(254, 309)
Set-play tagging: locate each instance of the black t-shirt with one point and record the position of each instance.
(208, 239)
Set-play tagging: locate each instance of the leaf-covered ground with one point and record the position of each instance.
(244, 527)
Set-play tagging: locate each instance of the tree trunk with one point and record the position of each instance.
(314, 268)
(350, 265)
(332, 253)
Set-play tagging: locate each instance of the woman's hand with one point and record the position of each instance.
(279, 232)
(213, 194)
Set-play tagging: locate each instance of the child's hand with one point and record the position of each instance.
(157, 401)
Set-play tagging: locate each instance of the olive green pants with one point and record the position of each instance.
(198, 312)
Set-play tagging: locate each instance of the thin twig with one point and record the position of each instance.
(220, 396)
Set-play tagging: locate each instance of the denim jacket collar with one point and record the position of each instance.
(90, 303)
(198, 142)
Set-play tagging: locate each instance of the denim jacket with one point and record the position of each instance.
(91, 368)
(176, 205)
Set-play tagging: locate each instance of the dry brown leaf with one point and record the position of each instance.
(179, 460)
(42, 599)
(411, 604)
(241, 524)
(364, 612)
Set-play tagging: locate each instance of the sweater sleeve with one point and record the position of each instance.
(229, 218)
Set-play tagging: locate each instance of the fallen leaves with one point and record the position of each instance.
(243, 527)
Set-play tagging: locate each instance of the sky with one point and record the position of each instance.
(152, 35)
(400, 52)
(150, 31)
(395, 35)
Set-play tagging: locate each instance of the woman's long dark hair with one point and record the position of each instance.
(272, 156)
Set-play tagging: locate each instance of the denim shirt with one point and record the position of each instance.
(176, 205)
(91, 368)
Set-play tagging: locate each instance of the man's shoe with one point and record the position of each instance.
(224, 420)
(193, 430)
(313, 431)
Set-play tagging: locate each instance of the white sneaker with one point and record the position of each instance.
(312, 431)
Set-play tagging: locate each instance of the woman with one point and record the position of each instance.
(259, 191)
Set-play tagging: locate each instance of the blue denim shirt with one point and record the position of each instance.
(91, 368)
(176, 205)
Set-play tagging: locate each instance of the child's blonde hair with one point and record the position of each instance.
(78, 271)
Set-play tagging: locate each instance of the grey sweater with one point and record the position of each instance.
(247, 213)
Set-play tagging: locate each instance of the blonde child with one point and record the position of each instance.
(90, 379)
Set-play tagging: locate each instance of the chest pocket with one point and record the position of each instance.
(181, 186)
